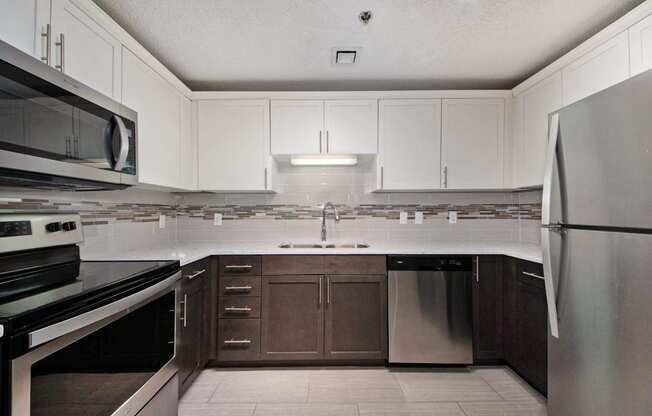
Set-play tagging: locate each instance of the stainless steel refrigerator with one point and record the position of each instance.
(597, 252)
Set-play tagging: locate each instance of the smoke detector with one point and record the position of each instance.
(345, 55)
(365, 16)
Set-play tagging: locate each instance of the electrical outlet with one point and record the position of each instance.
(161, 221)
(217, 219)
(402, 218)
(452, 217)
(418, 217)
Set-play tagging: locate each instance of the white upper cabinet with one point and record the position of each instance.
(409, 144)
(604, 66)
(84, 50)
(187, 148)
(640, 46)
(472, 143)
(158, 106)
(531, 142)
(233, 138)
(297, 127)
(321, 127)
(24, 25)
(351, 126)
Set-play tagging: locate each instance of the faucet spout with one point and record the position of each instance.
(323, 218)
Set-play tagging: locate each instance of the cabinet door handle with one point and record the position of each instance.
(477, 269)
(382, 177)
(328, 291)
(237, 342)
(327, 142)
(320, 284)
(62, 57)
(238, 267)
(533, 275)
(265, 179)
(238, 288)
(195, 274)
(184, 317)
(320, 151)
(237, 309)
(48, 46)
(445, 181)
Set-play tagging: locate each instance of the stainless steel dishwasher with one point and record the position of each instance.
(430, 318)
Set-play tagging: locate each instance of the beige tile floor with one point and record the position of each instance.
(355, 391)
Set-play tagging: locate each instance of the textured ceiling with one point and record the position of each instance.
(410, 44)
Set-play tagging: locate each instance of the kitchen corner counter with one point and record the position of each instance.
(190, 252)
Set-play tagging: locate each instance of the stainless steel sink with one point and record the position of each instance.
(324, 245)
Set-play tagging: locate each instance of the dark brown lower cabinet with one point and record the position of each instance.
(487, 309)
(292, 318)
(356, 317)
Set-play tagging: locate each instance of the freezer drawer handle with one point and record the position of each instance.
(533, 275)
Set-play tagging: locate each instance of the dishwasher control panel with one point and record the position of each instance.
(430, 263)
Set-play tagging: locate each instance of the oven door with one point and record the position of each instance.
(110, 367)
(51, 124)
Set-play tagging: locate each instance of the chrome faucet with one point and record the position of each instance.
(323, 218)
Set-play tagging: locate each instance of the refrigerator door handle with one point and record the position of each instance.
(551, 297)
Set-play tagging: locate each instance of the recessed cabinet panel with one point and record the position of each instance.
(84, 50)
(297, 127)
(351, 126)
(409, 144)
(537, 103)
(640, 46)
(233, 145)
(472, 143)
(158, 106)
(21, 24)
(187, 148)
(604, 66)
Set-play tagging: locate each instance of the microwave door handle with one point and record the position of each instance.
(121, 160)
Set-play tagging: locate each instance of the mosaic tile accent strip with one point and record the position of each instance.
(99, 213)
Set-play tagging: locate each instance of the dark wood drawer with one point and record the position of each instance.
(239, 286)
(367, 265)
(238, 339)
(239, 265)
(239, 307)
(289, 264)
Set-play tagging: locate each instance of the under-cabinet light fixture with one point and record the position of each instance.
(324, 160)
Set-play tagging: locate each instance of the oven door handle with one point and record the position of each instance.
(43, 335)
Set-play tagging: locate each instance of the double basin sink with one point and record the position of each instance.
(323, 245)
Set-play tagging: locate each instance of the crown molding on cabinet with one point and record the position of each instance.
(349, 95)
(639, 13)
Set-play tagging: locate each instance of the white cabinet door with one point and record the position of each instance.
(84, 50)
(158, 106)
(233, 138)
(409, 144)
(472, 143)
(187, 147)
(640, 46)
(22, 22)
(297, 127)
(351, 126)
(530, 156)
(604, 66)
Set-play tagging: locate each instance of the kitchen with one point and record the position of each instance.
(237, 208)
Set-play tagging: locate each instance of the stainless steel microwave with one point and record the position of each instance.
(58, 133)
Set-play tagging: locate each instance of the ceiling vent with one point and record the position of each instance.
(346, 55)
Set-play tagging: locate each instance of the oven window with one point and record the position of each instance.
(96, 374)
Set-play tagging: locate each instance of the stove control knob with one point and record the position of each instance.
(53, 227)
(69, 226)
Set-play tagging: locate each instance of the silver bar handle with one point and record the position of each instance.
(445, 180)
(184, 317)
(382, 177)
(62, 50)
(43, 335)
(265, 179)
(195, 274)
(48, 45)
(238, 267)
(237, 309)
(238, 288)
(328, 291)
(327, 142)
(237, 342)
(551, 297)
(477, 269)
(319, 289)
(533, 275)
(121, 160)
(320, 148)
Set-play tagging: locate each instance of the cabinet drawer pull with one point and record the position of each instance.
(62, 50)
(533, 275)
(195, 274)
(237, 342)
(48, 46)
(238, 267)
(236, 309)
(184, 317)
(238, 288)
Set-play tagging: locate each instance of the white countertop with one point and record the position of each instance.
(190, 252)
